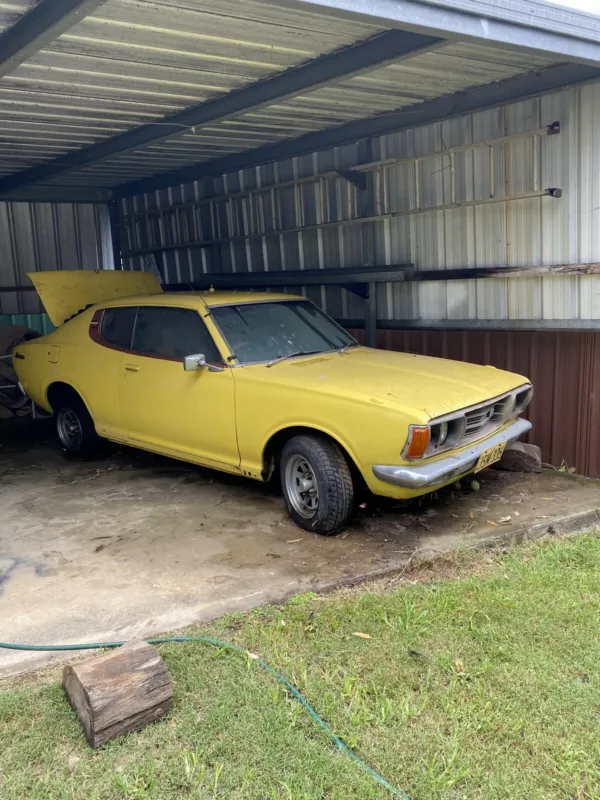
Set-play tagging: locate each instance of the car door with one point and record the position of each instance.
(168, 408)
(100, 368)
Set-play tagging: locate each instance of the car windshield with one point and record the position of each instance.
(258, 332)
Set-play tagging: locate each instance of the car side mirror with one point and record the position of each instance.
(196, 361)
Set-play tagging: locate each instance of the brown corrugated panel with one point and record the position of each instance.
(564, 367)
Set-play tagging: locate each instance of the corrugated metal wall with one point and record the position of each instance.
(447, 195)
(564, 367)
(43, 236)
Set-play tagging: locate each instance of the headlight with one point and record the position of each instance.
(522, 400)
(447, 434)
(442, 434)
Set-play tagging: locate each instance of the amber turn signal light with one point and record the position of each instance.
(418, 441)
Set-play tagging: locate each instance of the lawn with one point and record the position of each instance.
(481, 679)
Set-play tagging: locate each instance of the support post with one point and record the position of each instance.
(115, 233)
(371, 319)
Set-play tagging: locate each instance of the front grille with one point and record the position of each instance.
(476, 423)
(478, 419)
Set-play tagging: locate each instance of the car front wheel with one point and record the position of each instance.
(317, 484)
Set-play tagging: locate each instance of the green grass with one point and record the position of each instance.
(485, 685)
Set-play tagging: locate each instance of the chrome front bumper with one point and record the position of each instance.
(445, 469)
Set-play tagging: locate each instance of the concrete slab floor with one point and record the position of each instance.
(137, 545)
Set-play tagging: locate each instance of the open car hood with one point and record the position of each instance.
(66, 292)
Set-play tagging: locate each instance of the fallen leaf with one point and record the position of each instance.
(471, 515)
(489, 522)
(362, 635)
(293, 541)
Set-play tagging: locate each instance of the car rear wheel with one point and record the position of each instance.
(76, 432)
(317, 484)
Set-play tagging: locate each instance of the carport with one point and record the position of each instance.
(444, 153)
(426, 171)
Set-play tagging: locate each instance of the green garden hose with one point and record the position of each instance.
(236, 649)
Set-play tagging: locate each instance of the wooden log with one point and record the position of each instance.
(120, 692)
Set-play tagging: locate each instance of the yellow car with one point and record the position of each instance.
(261, 384)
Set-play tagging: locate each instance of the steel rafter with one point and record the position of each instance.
(441, 108)
(40, 25)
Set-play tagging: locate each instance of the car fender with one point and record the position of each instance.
(61, 378)
(317, 428)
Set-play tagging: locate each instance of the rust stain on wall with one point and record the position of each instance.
(564, 367)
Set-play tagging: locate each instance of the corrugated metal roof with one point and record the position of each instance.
(442, 71)
(133, 62)
(12, 10)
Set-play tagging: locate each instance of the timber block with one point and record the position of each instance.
(119, 692)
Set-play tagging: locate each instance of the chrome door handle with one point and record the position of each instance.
(132, 368)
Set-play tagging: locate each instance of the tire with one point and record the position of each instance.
(76, 431)
(327, 505)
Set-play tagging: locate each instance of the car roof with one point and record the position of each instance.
(199, 299)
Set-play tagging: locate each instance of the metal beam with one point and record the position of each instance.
(42, 24)
(528, 25)
(377, 51)
(441, 108)
(337, 276)
(57, 194)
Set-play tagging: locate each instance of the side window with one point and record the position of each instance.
(117, 327)
(172, 333)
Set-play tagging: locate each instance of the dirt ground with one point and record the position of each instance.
(137, 545)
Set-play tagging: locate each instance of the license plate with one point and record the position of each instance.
(490, 456)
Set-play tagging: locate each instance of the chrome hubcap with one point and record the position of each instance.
(301, 486)
(69, 429)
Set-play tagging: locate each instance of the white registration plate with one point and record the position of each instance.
(490, 456)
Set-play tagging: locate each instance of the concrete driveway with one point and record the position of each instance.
(138, 545)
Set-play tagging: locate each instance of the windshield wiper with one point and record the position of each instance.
(293, 355)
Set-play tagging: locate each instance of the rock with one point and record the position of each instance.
(521, 457)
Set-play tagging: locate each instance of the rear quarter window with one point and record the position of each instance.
(117, 327)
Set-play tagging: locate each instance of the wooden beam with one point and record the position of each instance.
(475, 273)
